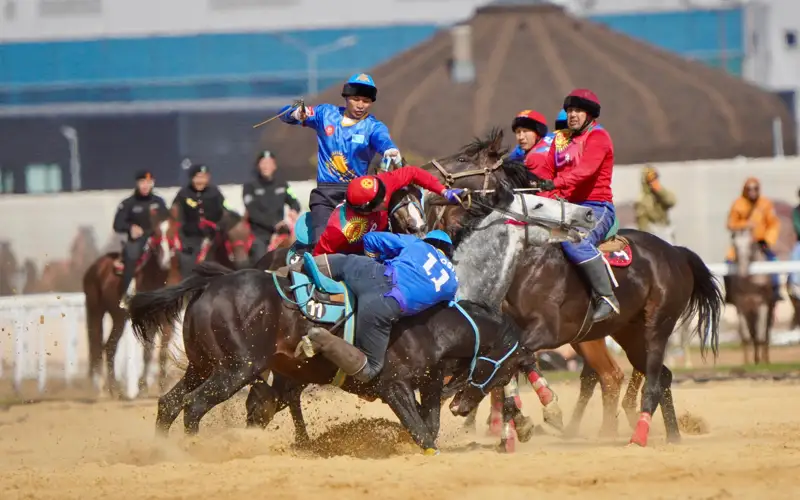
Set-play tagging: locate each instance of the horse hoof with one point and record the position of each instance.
(431, 452)
(553, 416)
(525, 428)
(571, 431)
(507, 445)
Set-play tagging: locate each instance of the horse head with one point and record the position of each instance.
(746, 251)
(238, 238)
(405, 212)
(160, 222)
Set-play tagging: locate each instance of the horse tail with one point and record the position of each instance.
(150, 311)
(706, 302)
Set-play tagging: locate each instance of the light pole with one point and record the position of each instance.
(312, 53)
(71, 135)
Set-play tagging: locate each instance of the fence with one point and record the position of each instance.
(48, 336)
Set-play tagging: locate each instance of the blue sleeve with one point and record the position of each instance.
(517, 154)
(314, 116)
(382, 246)
(380, 140)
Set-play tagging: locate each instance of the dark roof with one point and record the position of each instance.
(656, 105)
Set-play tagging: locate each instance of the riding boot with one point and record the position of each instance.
(125, 288)
(347, 357)
(606, 302)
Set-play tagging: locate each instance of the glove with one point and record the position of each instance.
(452, 194)
(546, 185)
(394, 155)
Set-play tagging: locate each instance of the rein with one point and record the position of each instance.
(475, 358)
(451, 178)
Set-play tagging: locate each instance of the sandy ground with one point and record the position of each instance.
(64, 450)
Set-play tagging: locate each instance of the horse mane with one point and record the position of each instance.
(518, 174)
(479, 145)
(482, 206)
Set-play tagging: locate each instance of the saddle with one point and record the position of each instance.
(321, 299)
(616, 249)
(302, 235)
(119, 266)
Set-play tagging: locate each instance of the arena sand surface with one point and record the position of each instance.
(64, 450)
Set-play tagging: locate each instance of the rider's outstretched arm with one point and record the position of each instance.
(382, 246)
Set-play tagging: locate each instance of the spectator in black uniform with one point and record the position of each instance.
(198, 208)
(134, 222)
(264, 199)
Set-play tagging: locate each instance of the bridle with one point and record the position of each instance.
(450, 179)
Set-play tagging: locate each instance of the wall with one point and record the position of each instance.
(705, 191)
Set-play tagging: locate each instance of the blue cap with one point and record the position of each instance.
(438, 234)
(362, 79)
(562, 116)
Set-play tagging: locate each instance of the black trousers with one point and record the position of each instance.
(322, 201)
(260, 242)
(132, 251)
(375, 313)
(188, 256)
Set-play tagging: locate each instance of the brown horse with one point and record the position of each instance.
(753, 297)
(66, 275)
(101, 286)
(660, 285)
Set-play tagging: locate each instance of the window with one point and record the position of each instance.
(42, 178)
(6, 181)
(791, 39)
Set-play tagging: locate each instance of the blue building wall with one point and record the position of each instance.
(262, 65)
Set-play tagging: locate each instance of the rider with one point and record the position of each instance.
(757, 213)
(406, 277)
(133, 221)
(365, 207)
(561, 121)
(197, 207)
(348, 138)
(580, 164)
(530, 128)
(264, 199)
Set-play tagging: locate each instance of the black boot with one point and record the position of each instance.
(606, 302)
(347, 357)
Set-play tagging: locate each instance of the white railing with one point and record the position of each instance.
(44, 336)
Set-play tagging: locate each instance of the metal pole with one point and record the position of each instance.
(777, 137)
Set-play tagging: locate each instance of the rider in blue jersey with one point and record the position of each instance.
(561, 123)
(400, 276)
(348, 138)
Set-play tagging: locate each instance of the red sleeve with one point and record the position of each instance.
(541, 164)
(595, 151)
(405, 176)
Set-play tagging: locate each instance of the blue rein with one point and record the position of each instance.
(475, 358)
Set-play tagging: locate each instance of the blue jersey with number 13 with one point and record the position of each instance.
(422, 276)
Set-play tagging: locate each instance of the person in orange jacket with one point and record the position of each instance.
(751, 210)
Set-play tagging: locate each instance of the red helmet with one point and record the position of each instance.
(583, 99)
(365, 193)
(532, 120)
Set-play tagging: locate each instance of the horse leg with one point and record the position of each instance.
(261, 404)
(294, 400)
(223, 383)
(668, 407)
(744, 336)
(400, 398)
(171, 403)
(147, 356)
(761, 338)
(648, 358)
(469, 423)
(110, 350)
(589, 380)
(631, 398)
(524, 426)
(508, 436)
(552, 411)
(430, 399)
(94, 327)
(495, 418)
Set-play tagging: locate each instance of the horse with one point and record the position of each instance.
(659, 284)
(101, 286)
(238, 324)
(65, 275)
(231, 243)
(752, 295)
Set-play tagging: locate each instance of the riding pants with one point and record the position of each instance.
(132, 251)
(322, 202)
(375, 313)
(260, 243)
(586, 249)
(188, 256)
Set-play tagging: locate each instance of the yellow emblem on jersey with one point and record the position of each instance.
(355, 229)
(562, 140)
(338, 163)
(191, 202)
(368, 183)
